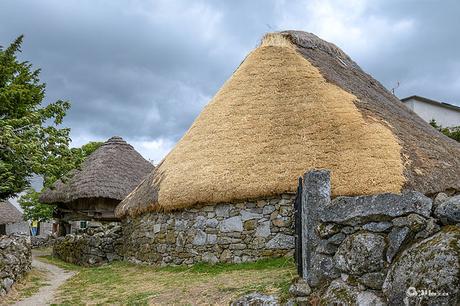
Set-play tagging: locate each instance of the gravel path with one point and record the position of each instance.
(55, 277)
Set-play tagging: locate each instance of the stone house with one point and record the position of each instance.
(226, 190)
(92, 192)
(11, 220)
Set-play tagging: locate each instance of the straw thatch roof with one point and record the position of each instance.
(9, 213)
(112, 171)
(296, 103)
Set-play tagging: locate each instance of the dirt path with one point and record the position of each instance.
(55, 277)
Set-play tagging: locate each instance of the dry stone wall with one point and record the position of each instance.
(384, 249)
(232, 232)
(90, 247)
(15, 260)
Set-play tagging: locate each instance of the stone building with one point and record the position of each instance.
(92, 192)
(11, 220)
(226, 190)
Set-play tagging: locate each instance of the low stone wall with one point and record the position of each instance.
(91, 247)
(381, 249)
(15, 260)
(235, 233)
(42, 242)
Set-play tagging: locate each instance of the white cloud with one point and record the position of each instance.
(153, 150)
(349, 24)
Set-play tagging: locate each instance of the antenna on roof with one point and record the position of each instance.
(393, 89)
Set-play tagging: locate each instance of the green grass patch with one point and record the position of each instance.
(61, 264)
(129, 284)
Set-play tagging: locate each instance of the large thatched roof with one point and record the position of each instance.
(296, 103)
(9, 213)
(112, 171)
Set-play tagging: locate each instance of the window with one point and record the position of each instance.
(83, 224)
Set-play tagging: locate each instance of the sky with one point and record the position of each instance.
(144, 70)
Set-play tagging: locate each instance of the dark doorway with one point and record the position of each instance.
(2, 229)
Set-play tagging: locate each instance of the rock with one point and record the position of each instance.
(211, 239)
(263, 229)
(223, 210)
(246, 215)
(250, 225)
(449, 211)
(381, 207)
(325, 247)
(368, 298)
(431, 264)
(300, 288)
(281, 241)
(322, 268)
(341, 293)
(440, 198)
(200, 222)
(210, 258)
(377, 227)
(156, 228)
(431, 227)
(200, 238)
(7, 283)
(212, 223)
(373, 280)
(267, 210)
(226, 256)
(361, 253)
(413, 221)
(396, 238)
(233, 224)
(255, 299)
(327, 230)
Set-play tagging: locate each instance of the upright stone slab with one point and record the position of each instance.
(316, 194)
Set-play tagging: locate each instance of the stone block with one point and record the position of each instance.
(233, 224)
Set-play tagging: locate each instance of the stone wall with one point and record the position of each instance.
(15, 260)
(238, 232)
(90, 247)
(380, 249)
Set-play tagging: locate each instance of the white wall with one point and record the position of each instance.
(444, 116)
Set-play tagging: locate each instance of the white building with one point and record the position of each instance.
(11, 221)
(445, 114)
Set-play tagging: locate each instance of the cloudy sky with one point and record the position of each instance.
(144, 69)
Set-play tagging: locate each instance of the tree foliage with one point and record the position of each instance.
(33, 209)
(31, 141)
(453, 132)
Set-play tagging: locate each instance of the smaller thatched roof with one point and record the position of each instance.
(9, 213)
(111, 172)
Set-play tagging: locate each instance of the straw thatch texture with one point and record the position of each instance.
(112, 171)
(9, 213)
(280, 115)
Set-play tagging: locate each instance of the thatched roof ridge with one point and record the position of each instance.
(9, 213)
(112, 172)
(296, 103)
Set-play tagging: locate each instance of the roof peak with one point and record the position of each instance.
(116, 140)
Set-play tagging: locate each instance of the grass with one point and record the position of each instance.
(26, 287)
(121, 283)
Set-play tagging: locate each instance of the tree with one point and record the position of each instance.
(33, 209)
(452, 132)
(30, 140)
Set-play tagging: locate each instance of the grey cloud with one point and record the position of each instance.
(145, 69)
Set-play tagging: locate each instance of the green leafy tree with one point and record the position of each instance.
(452, 132)
(31, 141)
(33, 209)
